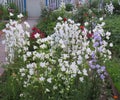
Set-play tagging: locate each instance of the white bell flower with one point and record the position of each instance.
(20, 15)
(11, 14)
(85, 72)
(49, 80)
(111, 44)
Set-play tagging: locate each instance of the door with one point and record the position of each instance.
(33, 8)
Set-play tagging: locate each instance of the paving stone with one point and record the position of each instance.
(2, 54)
(1, 71)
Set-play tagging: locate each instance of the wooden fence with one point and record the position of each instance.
(21, 4)
(55, 2)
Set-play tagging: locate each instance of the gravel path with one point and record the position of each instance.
(2, 54)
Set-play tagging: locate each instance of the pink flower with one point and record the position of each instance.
(64, 19)
(82, 27)
(90, 35)
(36, 30)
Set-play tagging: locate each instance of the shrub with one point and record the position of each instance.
(94, 4)
(5, 13)
(13, 9)
(1, 12)
(47, 26)
(49, 19)
(116, 6)
(69, 7)
(81, 15)
(2, 25)
(45, 12)
(84, 14)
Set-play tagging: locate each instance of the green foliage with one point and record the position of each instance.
(117, 84)
(46, 26)
(94, 4)
(4, 12)
(10, 87)
(116, 6)
(81, 15)
(89, 89)
(112, 25)
(15, 10)
(2, 25)
(49, 19)
(85, 14)
(114, 71)
(1, 12)
(69, 7)
(45, 13)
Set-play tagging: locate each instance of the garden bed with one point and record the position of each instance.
(67, 63)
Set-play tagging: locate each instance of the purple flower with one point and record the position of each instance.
(97, 66)
(90, 62)
(100, 49)
(93, 55)
(102, 76)
(105, 73)
(92, 66)
(98, 71)
(97, 37)
(103, 68)
(101, 42)
(96, 44)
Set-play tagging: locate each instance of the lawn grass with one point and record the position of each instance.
(113, 25)
(113, 66)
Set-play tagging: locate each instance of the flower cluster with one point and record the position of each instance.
(69, 39)
(65, 55)
(36, 33)
(57, 59)
(14, 38)
(100, 51)
(56, 62)
(109, 8)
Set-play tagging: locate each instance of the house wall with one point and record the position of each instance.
(33, 7)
